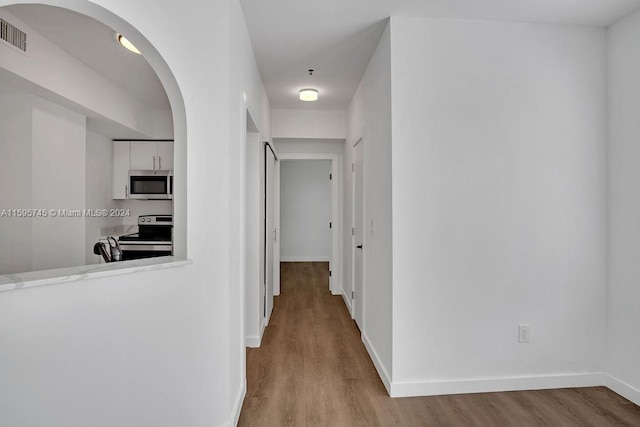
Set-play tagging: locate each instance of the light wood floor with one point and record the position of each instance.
(313, 370)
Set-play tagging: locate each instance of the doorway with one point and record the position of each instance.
(305, 211)
(332, 222)
(259, 232)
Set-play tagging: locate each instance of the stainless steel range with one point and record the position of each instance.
(154, 238)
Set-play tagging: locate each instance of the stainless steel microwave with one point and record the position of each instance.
(150, 184)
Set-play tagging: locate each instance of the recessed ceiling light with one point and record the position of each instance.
(308, 95)
(127, 44)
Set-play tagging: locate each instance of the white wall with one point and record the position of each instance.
(44, 156)
(370, 117)
(499, 195)
(624, 207)
(157, 348)
(15, 179)
(325, 124)
(58, 181)
(104, 352)
(246, 92)
(309, 145)
(75, 85)
(305, 210)
(162, 123)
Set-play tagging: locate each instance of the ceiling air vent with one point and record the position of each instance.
(12, 35)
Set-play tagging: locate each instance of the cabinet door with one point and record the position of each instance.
(165, 156)
(121, 170)
(144, 155)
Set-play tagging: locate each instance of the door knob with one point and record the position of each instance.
(359, 246)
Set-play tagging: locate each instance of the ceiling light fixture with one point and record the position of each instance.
(308, 95)
(127, 44)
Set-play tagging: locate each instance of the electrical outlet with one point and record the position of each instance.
(523, 334)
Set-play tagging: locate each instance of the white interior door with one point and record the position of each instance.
(270, 230)
(358, 235)
(332, 228)
(263, 235)
(276, 227)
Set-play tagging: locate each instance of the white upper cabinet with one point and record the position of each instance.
(121, 169)
(165, 156)
(150, 155)
(144, 155)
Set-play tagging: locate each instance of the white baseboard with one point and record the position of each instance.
(305, 259)
(347, 302)
(237, 405)
(488, 385)
(623, 389)
(382, 372)
(253, 341)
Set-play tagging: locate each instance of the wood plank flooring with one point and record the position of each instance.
(313, 370)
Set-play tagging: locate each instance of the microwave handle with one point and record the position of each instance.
(126, 191)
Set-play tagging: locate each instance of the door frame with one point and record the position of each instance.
(268, 233)
(360, 141)
(335, 264)
(250, 262)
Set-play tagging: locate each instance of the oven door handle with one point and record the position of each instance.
(134, 247)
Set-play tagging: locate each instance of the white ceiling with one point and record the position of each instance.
(338, 37)
(334, 37)
(95, 45)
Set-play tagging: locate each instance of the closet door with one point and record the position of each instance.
(270, 228)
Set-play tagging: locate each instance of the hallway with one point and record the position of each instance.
(312, 369)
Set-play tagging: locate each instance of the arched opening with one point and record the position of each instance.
(78, 94)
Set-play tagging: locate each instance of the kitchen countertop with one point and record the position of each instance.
(10, 282)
